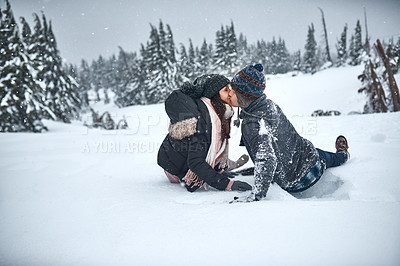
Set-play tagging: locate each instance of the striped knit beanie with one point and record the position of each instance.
(249, 84)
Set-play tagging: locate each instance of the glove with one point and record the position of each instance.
(230, 174)
(240, 186)
(217, 167)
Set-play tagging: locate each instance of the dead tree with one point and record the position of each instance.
(328, 55)
(366, 45)
(374, 89)
(392, 82)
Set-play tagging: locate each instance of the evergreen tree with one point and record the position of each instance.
(61, 90)
(396, 57)
(130, 91)
(172, 64)
(273, 56)
(84, 81)
(284, 64)
(220, 51)
(341, 48)
(21, 103)
(356, 48)
(231, 55)
(204, 59)
(261, 54)
(193, 66)
(184, 66)
(297, 61)
(161, 72)
(310, 62)
(372, 85)
(243, 49)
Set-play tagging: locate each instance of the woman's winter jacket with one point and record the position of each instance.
(188, 140)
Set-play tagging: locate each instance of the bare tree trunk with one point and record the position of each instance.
(131, 74)
(326, 36)
(378, 106)
(392, 82)
(366, 45)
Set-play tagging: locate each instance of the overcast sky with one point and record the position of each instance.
(88, 28)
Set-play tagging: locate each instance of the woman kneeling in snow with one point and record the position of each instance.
(195, 151)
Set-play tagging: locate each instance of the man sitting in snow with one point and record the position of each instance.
(278, 152)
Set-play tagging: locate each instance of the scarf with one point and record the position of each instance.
(218, 150)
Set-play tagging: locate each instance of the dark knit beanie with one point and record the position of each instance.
(249, 84)
(206, 85)
(213, 84)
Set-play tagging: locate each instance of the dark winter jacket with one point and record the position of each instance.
(278, 152)
(187, 143)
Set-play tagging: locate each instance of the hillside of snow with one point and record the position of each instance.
(79, 196)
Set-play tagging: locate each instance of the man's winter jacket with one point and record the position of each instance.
(188, 140)
(278, 152)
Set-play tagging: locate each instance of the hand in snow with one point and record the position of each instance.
(254, 197)
(241, 186)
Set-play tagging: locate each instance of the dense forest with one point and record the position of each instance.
(36, 85)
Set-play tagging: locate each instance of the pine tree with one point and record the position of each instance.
(259, 53)
(194, 69)
(220, 51)
(61, 90)
(310, 62)
(172, 64)
(284, 64)
(130, 91)
(84, 81)
(297, 61)
(356, 48)
(184, 67)
(231, 56)
(204, 59)
(393, 54)
(341, 48)
(161, 71)
(21, 104)
(372, 86)
(243, 49)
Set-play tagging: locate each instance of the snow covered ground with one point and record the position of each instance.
(78, 196)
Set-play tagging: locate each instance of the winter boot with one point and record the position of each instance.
(342, 145)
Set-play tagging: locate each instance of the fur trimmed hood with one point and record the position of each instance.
(183, 129)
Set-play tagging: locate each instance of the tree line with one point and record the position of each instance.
(35, 85)
(33, 82)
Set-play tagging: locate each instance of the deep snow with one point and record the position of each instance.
(78, 196)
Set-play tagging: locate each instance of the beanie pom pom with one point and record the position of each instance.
(259, 67)
(191, 90)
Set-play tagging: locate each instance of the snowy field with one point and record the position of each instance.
(78, 196)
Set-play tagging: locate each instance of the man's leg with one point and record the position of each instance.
(333, 159)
